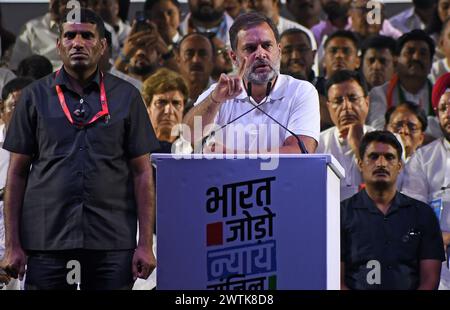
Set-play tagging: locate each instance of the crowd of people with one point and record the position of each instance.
(332, 76)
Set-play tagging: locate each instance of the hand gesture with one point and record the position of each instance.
(229, 86)
(148, 39)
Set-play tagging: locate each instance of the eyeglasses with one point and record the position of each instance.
(410, 125)
(353, 99)
(161, 104)
(222, 51)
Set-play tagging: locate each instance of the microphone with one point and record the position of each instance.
(249, 94)
(300, 143)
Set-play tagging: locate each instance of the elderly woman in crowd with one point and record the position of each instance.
(165, 94)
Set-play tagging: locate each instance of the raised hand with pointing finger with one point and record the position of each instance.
(229, 86)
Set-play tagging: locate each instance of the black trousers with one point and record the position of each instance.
(95, 270)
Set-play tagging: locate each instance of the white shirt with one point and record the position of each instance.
(407, 20)
(135, 82)
(115, 45)
(331, 143)
(427, 171)
(425, 176)
(378, 107)
(293, 103)
(123, 32)
(4, 163)
(38, 36)
(440, 67)
(222, 32)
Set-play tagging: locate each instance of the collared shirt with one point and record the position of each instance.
(332, 143)
(397, 241)
(221, 31)
(427, 174)
(440, 67)
(38, 36)
(407, 20)
(378, 106)
(427, 178)
(293, 103)
(80, 191)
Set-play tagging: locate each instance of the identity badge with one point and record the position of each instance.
(437, 205)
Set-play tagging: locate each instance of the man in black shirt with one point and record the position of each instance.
(388, 240)
(80, 176)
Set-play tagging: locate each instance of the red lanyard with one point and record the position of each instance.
(104, 102)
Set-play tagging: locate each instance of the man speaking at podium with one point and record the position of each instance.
(257, 110)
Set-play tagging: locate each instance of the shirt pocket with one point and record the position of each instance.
(107, 138)
(409, 246)
(55, 136)
(360, 247)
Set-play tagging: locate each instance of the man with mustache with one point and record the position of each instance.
(195, 57)
(143, 53)
(208, 17)
(410, 82)
(297, 60)
(257, 83)
(427, 173)
(222, 60)
(377, 58)
(389, 241)
(297, 55)
(79, 179)
(341, 53)
(418, 16)
(348, 104)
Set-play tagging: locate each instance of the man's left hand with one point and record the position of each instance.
(144, 262)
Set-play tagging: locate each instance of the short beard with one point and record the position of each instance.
(263, 78)
(143, 70)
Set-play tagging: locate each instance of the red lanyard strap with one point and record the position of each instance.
(104, 111)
